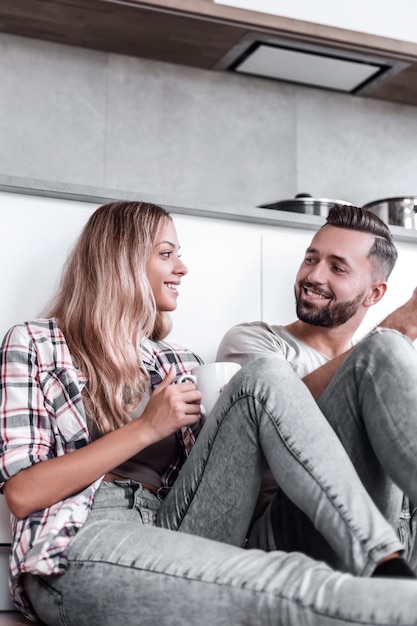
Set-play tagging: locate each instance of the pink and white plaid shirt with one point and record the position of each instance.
(42, 416)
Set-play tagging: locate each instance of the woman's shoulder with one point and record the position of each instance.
(169, 353)
(42, 336)
(37, 329)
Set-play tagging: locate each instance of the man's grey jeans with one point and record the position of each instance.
(371, 403)
(140, 561)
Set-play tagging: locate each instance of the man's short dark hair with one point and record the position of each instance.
(383, 252)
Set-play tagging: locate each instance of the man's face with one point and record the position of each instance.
(335, 278)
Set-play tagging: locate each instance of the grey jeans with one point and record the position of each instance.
(139, 561)
(377, 389)
(371, 403)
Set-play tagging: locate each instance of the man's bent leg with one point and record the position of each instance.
(371, 403)
(267, 410)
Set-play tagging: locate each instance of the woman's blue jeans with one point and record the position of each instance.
(139, 561)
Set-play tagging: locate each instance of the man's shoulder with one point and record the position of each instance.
(249, 340)
(256, 329)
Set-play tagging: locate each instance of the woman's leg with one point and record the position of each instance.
(266, 412)
(124, 572)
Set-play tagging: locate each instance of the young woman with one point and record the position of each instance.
(126, 508)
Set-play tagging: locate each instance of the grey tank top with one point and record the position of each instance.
(148, 465)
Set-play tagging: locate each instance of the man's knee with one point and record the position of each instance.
(387, 345)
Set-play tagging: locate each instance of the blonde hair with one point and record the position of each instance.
(105, 307)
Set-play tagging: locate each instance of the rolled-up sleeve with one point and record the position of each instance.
(25, 430)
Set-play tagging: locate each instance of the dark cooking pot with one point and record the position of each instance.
(396, 211)
(305, 204)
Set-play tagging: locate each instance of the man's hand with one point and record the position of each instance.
(404, 319)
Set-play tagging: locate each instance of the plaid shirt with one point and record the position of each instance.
(42, 416)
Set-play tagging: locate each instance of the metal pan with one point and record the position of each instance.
(400, 211)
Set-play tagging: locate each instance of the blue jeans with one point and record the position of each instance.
(180, 562)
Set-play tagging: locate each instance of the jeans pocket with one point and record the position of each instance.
(147, 515)
(147, 504)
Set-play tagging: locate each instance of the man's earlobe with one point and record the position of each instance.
(377, 293)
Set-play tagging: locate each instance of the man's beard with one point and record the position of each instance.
(329, 316)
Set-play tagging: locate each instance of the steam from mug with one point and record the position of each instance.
(210, 379)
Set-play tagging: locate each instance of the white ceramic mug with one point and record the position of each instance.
(210, 379)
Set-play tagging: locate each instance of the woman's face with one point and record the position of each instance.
(165, 269)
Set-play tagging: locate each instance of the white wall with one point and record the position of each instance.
(223, 285)
(237, 271)
(37, 236)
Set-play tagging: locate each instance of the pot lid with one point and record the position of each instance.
(299, 203)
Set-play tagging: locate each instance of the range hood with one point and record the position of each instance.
(309, 64)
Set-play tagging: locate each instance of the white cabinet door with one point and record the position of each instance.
(223, 284)
(38, 234)
(282, 253)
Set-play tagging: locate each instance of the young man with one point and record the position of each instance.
(368, 392)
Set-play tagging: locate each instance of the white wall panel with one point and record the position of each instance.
(400, 286)
(282, 253)
(223, 286)
(37, 234)
(229, 280)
